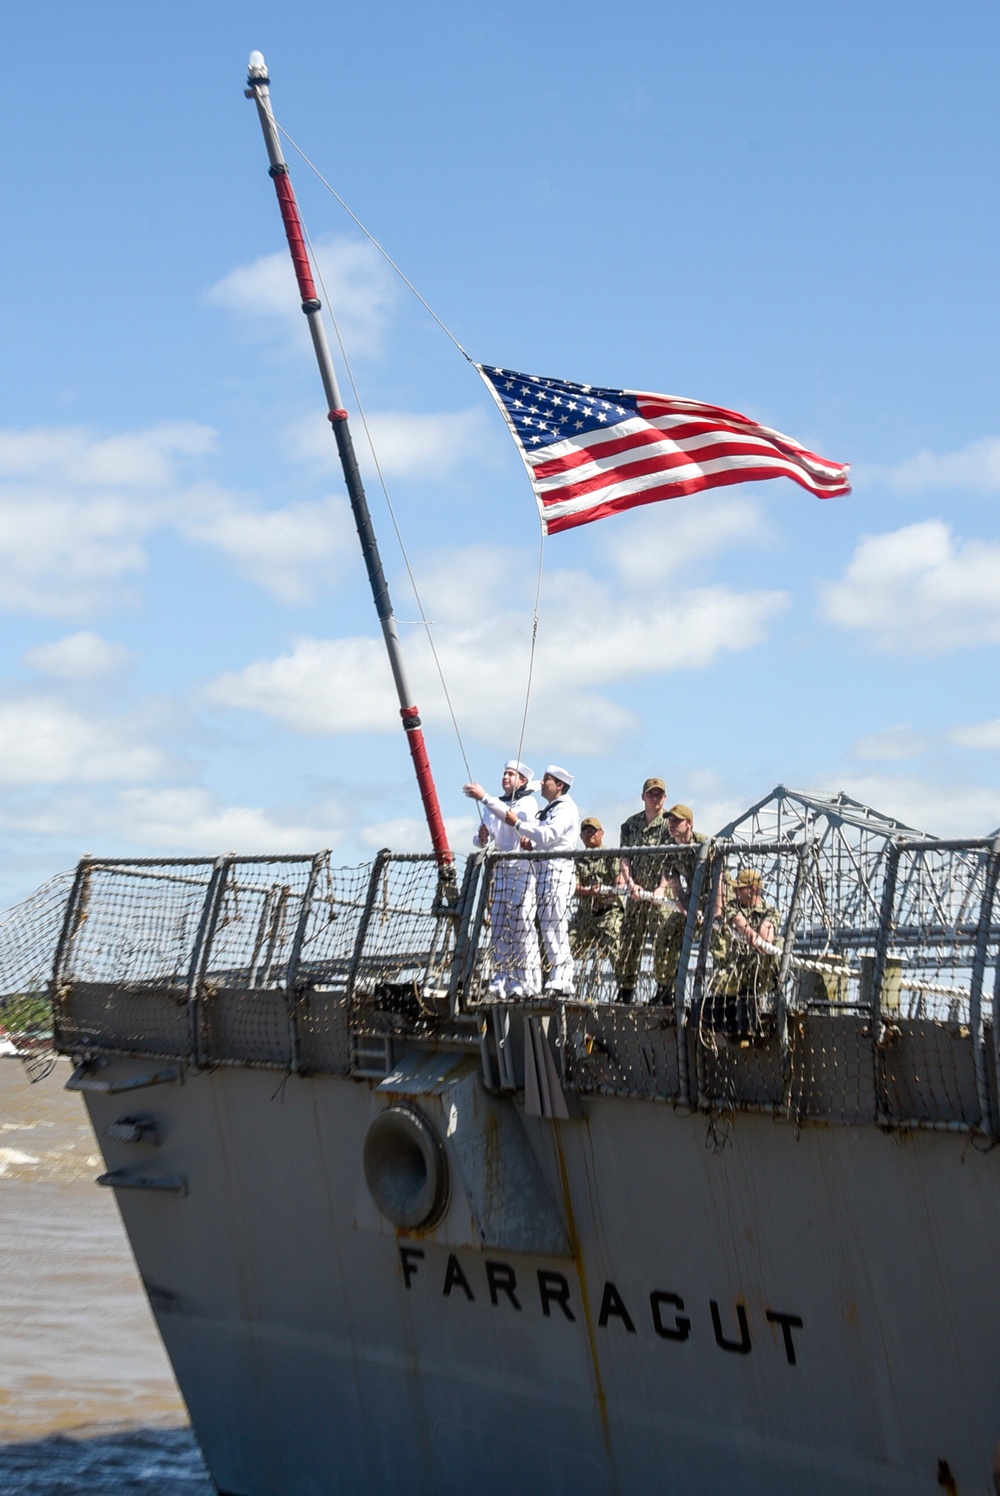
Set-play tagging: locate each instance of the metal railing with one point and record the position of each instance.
(291, 963)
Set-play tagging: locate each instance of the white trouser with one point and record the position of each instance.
(556, 890)
(517, 969)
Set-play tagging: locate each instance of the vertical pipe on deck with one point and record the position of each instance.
(698, 993)
(202, 946)
(484, 887)
(680, 981)
(71, 923)
(381, 858)
(987, 1121)
(878, 976)
(292, 994)
(996, 1028)
(803, 852)
(466, 906)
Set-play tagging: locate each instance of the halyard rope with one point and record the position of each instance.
(385, 493)
(449, 334)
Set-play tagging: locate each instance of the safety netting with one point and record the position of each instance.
(818, 962)
(29, 934)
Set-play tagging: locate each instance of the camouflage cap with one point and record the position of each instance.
(681, 813)
(748, 877)
(592, 822)
(654, 784)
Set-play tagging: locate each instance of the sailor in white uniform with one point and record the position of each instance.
(517, 969)
(556, 828)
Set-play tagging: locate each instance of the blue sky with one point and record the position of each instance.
(783, 209)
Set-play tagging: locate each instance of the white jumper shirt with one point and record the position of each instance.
(506, 838)
(555, 829)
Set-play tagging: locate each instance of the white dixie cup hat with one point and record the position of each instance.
(563, 775)
(518, 767)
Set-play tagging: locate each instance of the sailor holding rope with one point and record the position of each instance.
(556, 828)
(516, 966)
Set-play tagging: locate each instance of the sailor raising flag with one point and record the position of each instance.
(592, 452)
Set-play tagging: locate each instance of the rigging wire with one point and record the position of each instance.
(534, 640)
(392, 513)
(371, 237)
(378, 468)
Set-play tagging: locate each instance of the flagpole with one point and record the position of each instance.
(258, 89)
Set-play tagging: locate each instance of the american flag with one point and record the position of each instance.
(592, 452)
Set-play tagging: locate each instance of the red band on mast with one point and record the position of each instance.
(296, 238)
(425, 783)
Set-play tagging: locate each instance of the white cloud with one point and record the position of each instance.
(594, 637)
(892, 743)
(589, 638)
(973, 469)
(433, 446)
(407, 444)
(321, 686)
(919, 590)
(75, 509)
(75, 456)
(977, 735)
(44, 741)
(949, 808)
(711, 797)
(81, 656)
(668, 538)
(410, 835)
(191, 818)
(64, 556)
(359, 286)
(76, 513)
(900, 743)
(162, 819)
(288, 551)
(343, 685)
(478, 582)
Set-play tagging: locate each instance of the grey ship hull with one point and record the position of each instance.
(310, 1364)
(680, 1251)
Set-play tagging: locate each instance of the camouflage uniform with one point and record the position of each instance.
(670, 932)
(597, 922)
(640, 918)
(742, 976)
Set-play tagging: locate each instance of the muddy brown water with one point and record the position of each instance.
(88, 1402)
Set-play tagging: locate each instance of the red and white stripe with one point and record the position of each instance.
(676, 447)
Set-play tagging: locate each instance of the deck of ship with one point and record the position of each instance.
(883, 1011)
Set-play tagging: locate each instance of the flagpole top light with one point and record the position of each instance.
(257, 67)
